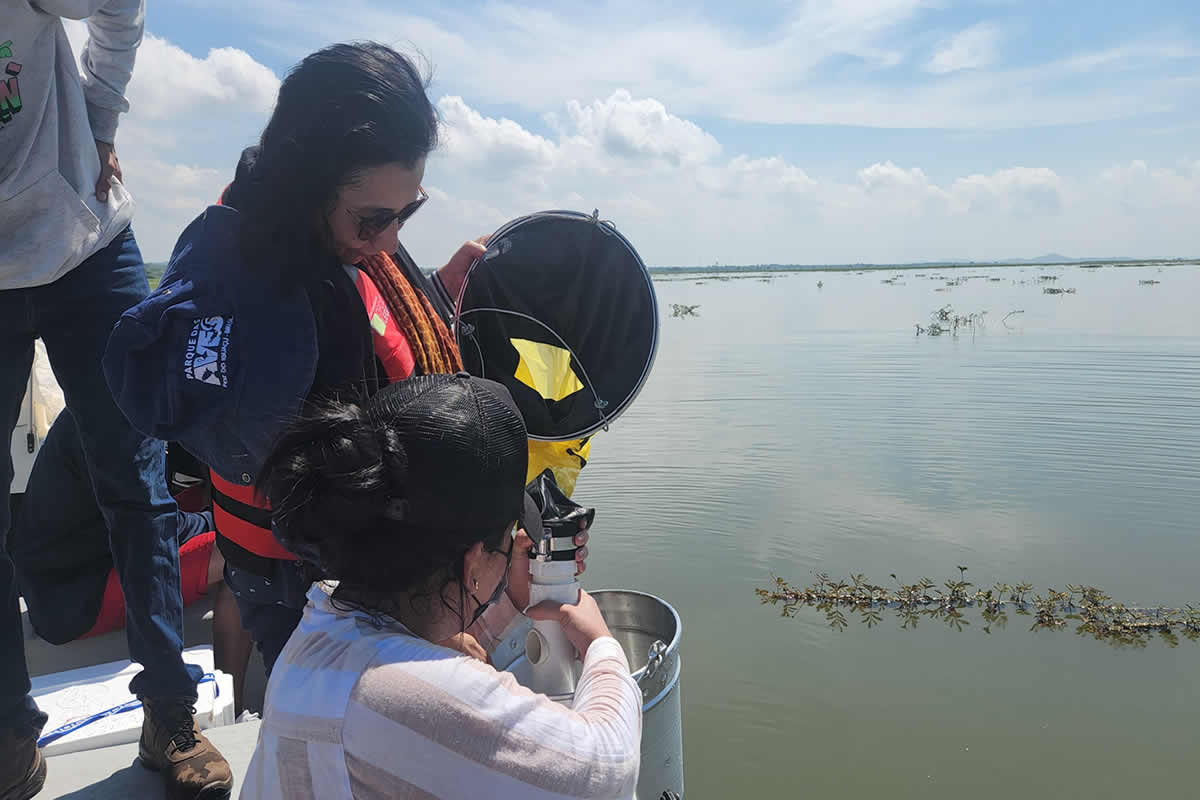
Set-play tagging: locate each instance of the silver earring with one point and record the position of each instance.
(476, 583)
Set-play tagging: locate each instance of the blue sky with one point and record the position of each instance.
(815, 132)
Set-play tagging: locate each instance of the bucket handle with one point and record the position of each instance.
(654, 658)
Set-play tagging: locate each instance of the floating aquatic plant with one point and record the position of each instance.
(944, 320)
(1092, 612)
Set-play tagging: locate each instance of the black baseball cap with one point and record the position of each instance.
(467, 451)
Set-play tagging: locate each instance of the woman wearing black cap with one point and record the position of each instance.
(410, 503)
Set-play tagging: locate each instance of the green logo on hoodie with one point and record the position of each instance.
(10, 86)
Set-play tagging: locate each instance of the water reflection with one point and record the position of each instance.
(791, 428)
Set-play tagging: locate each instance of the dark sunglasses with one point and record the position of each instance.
(372, 226)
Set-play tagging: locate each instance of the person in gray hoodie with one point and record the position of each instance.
(69, 267)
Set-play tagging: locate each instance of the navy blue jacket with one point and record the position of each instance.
(220, 358)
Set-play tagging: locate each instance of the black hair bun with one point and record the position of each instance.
(336, 484)
(331, 480)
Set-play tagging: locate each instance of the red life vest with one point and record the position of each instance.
(243, 516)
(391, 347)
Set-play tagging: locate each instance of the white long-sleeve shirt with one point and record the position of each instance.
(362, 708)
(50, 120)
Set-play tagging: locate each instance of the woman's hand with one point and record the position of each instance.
(518, 570)
(581, 540)
(454, 273)
(582, 622)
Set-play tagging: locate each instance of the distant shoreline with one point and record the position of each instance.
(761, 268)
(155, 270)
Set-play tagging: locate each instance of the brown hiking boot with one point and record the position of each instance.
(172, 744)
(22, 768)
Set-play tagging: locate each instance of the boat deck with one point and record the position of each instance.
(113, 773)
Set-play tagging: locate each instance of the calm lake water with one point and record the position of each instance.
(791, 429)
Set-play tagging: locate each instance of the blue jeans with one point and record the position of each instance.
(74, 316)
(58, 540)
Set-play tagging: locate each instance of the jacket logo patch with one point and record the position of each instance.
(207, 357)
(380, 316)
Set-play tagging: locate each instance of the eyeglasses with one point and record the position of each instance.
(372, 226)
(502, 585)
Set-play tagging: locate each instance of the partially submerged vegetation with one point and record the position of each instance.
(944, 320)
(1009, 315)
(1091, 611)
(679, 310)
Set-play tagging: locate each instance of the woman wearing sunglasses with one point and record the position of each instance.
(410, 502)
(263, 307)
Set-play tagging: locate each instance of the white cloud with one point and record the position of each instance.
(847, 62)
(168, 196)
(972, 48)
(859, 28)
(772, 174)
(642, 128)
(1153, 193)
(466, 208)
(741, 209)
(668, 183)
(188, 121)
(468, 137)
(603, 137)
(167, 80)
(1018, 190)
(887, 176)
(176, 187)
(901, 193)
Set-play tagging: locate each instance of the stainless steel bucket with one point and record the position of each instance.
(649, 631)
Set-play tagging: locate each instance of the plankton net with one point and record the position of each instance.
(562, 311)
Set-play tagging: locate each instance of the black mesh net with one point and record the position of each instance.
(561, 311)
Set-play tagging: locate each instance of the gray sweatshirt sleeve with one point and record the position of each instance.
(114, 32)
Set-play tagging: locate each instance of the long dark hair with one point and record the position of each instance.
(341, 110)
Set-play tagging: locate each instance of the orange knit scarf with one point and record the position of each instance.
(433, 348)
